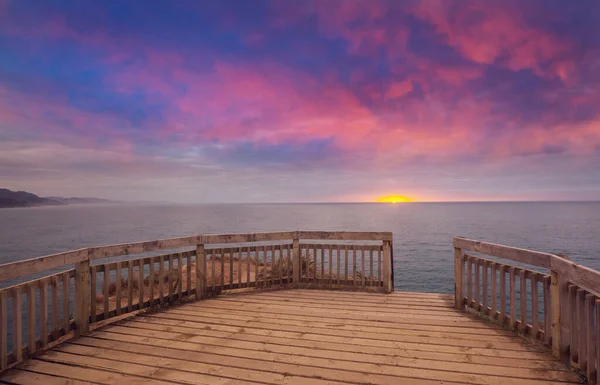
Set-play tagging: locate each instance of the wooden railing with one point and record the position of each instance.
(43, 311)
(557, 304)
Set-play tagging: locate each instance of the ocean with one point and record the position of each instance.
(423, 258)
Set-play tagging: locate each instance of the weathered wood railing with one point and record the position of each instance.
(43, 310)
(558, 305)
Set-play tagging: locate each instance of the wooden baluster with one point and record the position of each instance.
(257, 263)
(371, 275)
(17, 324)
(523, 297)
(118, 288)
(31, 337)
(188, 272)
(494, 291)
(230, 267)
(171, 290)
(161, 279)
(513, 297)
(239, 253)
(323, 263)
(362, 264)
(213, 258)
(379, 266)
(339, 264)
(581, 330)
(502, 295)
(55, 307)
(151, 281)
(3, 330)
(272, 265)
(201, 271)
(354, 256)
(93, 293)
(44, 311)
(130, 286)
(66, 300)
(485, 287)
(180, 276)
(388, 283)
(345, 264)
(535, 325)
(265, 262)
(574, 324)
(290, 263)
(314, 269)
(105, 291)
(469, 281)
(248, 266)
(221, 257)
(477, 288)
(330, 252)
(296, 261)
(590, 336)
(548, 310)
(141, 283)
(281, 264)
(561, 319)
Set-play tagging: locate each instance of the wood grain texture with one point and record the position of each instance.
(523, 300)
(195, 343)
(574, 347)
(485, 287)
(535, 323)
(502, 277)
(530, 257)
(17, 325)
(141, 273)
(548, 329)
(200, 272)
(590, 333)
(582, 330)
(513, 297)
(494, 290)
(66, 315)
(31, 320)
(129, 286)
(43, 311)
(81, 301)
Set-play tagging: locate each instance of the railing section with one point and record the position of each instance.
(558, 304)
(41, 312)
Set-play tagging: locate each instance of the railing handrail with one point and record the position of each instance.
(19, 269)
(575, 273)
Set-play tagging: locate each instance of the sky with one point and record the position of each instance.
(301, 101)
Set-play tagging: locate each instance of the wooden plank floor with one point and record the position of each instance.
(306, 337)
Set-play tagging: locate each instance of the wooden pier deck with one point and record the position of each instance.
(295, 308)
(299, 337)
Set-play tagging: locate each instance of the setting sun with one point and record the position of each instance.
(394, 199)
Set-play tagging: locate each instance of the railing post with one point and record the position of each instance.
(561, 315)
(387, 267)
(556, 302)
(81, 313)
(296, 260)
(200, 271)
(459, 273)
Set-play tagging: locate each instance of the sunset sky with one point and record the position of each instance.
(294, 101)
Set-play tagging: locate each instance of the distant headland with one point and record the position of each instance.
(10, 199)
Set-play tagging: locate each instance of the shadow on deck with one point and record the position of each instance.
(299, 337)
